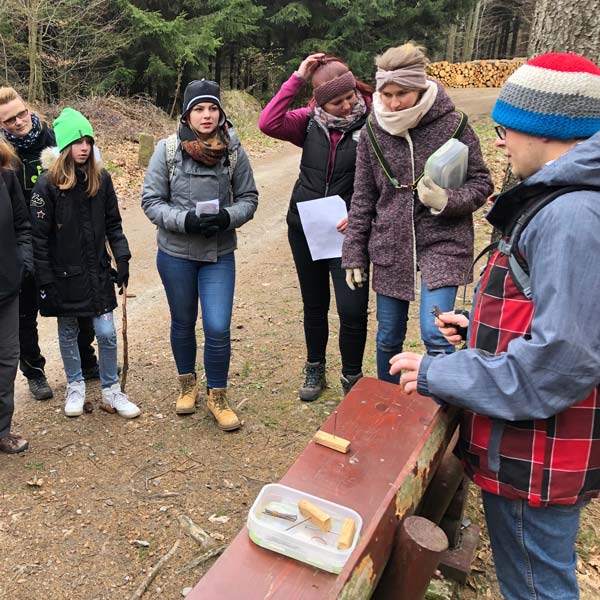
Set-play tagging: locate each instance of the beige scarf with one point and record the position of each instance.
(399, 122)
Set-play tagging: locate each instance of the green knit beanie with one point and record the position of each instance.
(70, 126)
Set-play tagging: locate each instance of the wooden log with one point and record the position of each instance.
(346, 534)
(317, 516)
(414, 560)
(332, 441)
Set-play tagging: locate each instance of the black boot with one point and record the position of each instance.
(314, 383)
(348, 381)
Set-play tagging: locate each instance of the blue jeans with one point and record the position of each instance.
(106, 335)
(392, 318)
(185, 282)
(533, 548)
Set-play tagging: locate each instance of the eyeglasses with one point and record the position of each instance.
(20, 115)
(500, 131)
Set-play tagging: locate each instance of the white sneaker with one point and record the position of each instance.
(74, 399)
(114, 398)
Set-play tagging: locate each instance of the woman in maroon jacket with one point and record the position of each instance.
(399, 231)
(327, 130)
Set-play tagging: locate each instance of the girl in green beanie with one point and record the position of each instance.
(74, 212)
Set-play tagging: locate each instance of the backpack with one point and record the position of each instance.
(517, 265)
(171, 148)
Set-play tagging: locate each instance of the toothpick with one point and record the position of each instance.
(299, 523)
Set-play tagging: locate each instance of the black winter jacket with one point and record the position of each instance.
(15, 237)
(70, 231)
(31, 166)
(312, 182)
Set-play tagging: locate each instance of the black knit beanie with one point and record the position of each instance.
(202, 90)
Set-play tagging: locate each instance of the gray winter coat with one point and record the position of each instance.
(396, 232)
(167, 203)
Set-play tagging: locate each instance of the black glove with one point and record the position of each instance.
(49, 300)
(122, 274)
(207, 225)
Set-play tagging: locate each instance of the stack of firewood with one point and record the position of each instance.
(477, 73)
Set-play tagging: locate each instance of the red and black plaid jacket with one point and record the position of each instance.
(545, 461)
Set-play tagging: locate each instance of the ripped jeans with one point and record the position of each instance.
(106, 335)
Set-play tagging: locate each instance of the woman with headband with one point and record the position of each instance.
(411, 224)
(327, 130)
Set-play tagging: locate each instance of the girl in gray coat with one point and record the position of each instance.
(198, 189)
(400, 231)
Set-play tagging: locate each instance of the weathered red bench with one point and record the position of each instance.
(397, 442)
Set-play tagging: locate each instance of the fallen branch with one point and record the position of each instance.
(155, 569)
(202, 558)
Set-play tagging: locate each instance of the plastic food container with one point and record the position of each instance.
(447, 166)
(305, 542)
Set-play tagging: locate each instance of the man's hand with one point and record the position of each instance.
(409, 363)
(355, 276)
(122, 275)
(450, 325)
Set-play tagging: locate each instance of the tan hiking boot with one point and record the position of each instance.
(186, 403)
(217, 404)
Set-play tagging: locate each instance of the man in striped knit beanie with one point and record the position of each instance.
(529, 379)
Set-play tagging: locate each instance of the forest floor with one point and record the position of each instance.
(95, 502)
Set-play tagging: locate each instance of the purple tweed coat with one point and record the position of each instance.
(395, 232)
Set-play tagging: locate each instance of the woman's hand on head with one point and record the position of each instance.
(309, 64)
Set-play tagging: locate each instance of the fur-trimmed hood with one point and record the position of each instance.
(49, 156)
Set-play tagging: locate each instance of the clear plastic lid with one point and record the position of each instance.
(447, 166)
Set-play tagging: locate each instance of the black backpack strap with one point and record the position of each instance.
(381, 158)
(462, 125)
(460, 128)
(517, 265)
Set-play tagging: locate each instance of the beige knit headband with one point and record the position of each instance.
(410, 79)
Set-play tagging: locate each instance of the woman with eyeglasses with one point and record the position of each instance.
(327, 130)
(411, 224)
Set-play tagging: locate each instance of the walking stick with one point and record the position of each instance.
(125, 343)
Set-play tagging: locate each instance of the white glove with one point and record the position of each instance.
(432, 195)
(355, 276)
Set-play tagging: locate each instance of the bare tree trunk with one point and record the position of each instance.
(180, 69)
(451, 43)
(566, 26)
(35, 91)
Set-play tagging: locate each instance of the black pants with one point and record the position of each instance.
(32, 362)
(351, 306)
(9, 357)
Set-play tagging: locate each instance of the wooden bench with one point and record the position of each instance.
(397, 442)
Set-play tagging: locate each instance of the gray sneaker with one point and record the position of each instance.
(39, 388)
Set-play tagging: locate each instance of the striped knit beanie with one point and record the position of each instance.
(553, 95)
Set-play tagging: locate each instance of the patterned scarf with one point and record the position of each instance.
(26, 141)
(329, 121)
(208, 150)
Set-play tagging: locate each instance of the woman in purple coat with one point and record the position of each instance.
(414, 226)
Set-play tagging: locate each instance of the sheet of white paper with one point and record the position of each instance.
(319, 219)
(207, 207)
